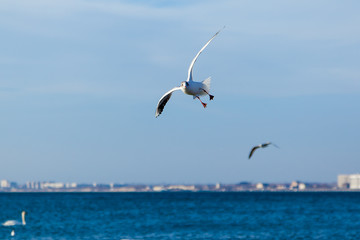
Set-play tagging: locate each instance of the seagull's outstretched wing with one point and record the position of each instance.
(267, 144)
(197, 55)
(264, 145)
(163, 100)
(253, 150)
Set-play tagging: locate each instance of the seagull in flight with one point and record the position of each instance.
(190, 87)
(264, 145)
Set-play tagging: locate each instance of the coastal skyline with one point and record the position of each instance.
(344, 184)
(80, 80)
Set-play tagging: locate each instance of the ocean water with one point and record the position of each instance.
(183, 215)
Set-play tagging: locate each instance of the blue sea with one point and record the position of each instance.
(183, 215)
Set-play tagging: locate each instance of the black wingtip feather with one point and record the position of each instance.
(162, 104)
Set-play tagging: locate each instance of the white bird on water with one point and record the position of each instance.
(12, 233)
(264, 145)
(189, 86)
(14, 222)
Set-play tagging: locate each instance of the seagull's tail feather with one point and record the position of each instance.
(206, 84)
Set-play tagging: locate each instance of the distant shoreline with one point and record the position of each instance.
(179, 191)
(60, 187)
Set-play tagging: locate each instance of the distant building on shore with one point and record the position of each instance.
(4, 184)
(174, 188)
(351, 181)
(260, 186)
(295, 185)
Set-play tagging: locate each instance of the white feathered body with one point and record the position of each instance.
(197, 88)
(11, 223)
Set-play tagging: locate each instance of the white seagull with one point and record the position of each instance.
(189, 87)
(14, 222)
(264, 145)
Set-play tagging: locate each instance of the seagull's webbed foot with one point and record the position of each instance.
(204, 104)
(211, 97)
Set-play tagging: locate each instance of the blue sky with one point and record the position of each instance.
(80, 80)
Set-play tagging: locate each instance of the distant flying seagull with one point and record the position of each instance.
(264, 145)
(189, 87)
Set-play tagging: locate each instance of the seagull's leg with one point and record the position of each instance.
(211, 96)
(204, 104)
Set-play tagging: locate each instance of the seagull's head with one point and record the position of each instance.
(184, 84)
